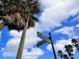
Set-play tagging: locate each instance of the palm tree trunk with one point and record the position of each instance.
(21, 46)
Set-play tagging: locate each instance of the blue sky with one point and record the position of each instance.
(60, 17)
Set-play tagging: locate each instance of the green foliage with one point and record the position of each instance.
(16, 12)
(69, 50)
(60, 53)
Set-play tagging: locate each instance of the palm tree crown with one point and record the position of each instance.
(14, 13)
(69, 50)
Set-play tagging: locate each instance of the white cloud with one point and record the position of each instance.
(49, 47)
(59, 45)
(77, 25)
(11, 47)
(54, 12)
(15, 33)
(34, 54)
(31, 39)
(1, 50)
(31, 36)
(11, 50)
(69, 31)
(65, 30)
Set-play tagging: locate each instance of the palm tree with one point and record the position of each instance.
(69, 50)
(69, 54)
(16, 13)
(76, 44)
(74, 41)
(65, 56)
(60, 53)
(19, 15)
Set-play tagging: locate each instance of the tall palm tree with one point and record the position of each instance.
(69, 49)
(60, 53)
(19, 15)
(69, 54)
(76, 44)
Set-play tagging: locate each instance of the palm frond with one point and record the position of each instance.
(14, 13)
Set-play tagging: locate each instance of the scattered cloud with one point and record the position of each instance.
(1, 50)
(49, 47)
(34, 54)
(59, 45)
(70, 31)
(62, 43)
(54, 12)
(66, 30)
(31, 39)
(11, 48)
(77, 25)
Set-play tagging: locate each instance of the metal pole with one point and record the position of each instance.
(21, 46)
(53, 49)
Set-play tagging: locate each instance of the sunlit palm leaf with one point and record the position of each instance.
(15, 13)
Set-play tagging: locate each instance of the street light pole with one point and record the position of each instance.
(53, 49)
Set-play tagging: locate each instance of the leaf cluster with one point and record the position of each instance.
(68, 54)
(15, 13)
